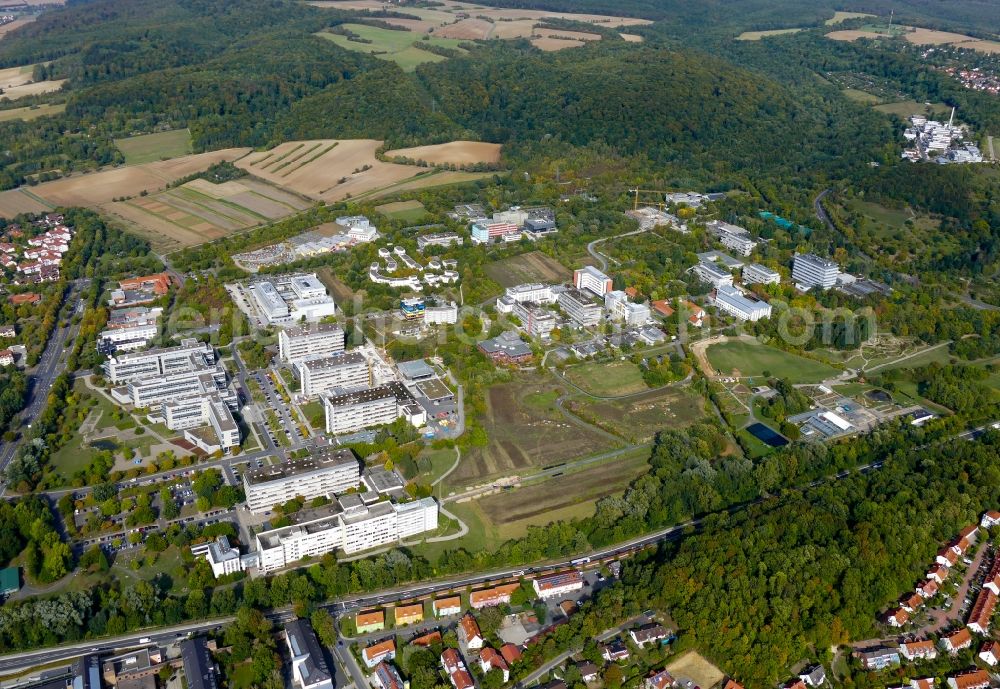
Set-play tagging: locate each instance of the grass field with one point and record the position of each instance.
(148, 148)
(906, 108)
(395, 46)
(523, 435)
(407, 211)
(860, 96)
(32, 112)
(938, 355)
(612, 379)
(695, 667)
(533, 266)
(743, 359)
(639, 417)
(758, 35)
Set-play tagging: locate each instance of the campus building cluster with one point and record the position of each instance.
(509, 225)
(339, 236)
(402, 271)
(939, 142)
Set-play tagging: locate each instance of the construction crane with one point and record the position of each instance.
(659, 199)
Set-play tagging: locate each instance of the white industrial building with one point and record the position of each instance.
(755, 273)
(713, 274)
(327, 472)
(348, 524)
(581, 307)
(619, 308)
(809, 270)
(734, 302)
(359, 228)
(158, 362)
(590, 278)
(345, 371)
(303, 342)
(354, 411)
(292, 298)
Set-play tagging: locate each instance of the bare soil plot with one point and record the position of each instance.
(33, 89)
(695, 667)
(17, 201)
(839, 17)
(533, 266)
(466, 29)
(854, 34)
(553, 44)
(31, 113)
(453, 152)
(631, 38)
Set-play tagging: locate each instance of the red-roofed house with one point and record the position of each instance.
(659, 680)
(982, 611)
(427, 639)
(897, 618)
(992, 579)
(955, 641)
(662, 307)
(732, 684)
(990, 653)
(990, 519)
(970, 679)
(26, 298)
(911, 602)
(923, 683)
(927, 589)
(918, 650)
(938, 573)
(510, 653)
(946, 556)
(468, 632)
(490, 659)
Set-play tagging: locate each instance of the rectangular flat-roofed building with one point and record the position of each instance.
(558, 584)
(330, 471)
(581, 307)
(535, 320)
(732, 301)
(593, 280)
(343, 372)
(309, 668)
(713, 274)
(199, 668)
(303, 342)
(362, 409)
(187, 356)
(809, 270)
(755, 273)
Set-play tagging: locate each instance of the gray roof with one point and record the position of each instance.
(199, 668)
(396, 390)
(509, 343)
(417, 368)
(318, 461)
(305, 647)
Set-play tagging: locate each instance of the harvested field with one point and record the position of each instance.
(535, 503)
(552, 44)
(32, 112)
(466, 29)
(436, 178)
(18, 201)
(758, 35)
(148, 148)
(570, 35)
(32, 89)
(854, 34)
(933, 37)
(631, 38)
(640, 417)
(329, 171)
(696, 668)
(453, 152)
(533, 266)
(16, 24)
(839, 17)
(523, 434)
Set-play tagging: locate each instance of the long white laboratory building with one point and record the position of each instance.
(327, 472)
(305, 341)
(290, 299)
(343, 372)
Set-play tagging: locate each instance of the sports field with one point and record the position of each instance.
(611, 379)
(395, 46)
(742, 359)
(533, 266)
(147, 148)
(407, 211)
(31, 113)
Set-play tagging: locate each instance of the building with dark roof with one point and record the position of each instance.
(199, 668)
(309, 667)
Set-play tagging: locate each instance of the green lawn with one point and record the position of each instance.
(755, 359)
(148, 148)
(432, 463)
(607, 379)
(407, 211)
(938, 355)
(861, 96)
(396, 46)
(32, 112)
(911, 107)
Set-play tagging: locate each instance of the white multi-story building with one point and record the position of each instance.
(359, 228)
(158, 362)
(327, 472)
(355, 411)
(348, 524)
(303, 342)
(581, 307)
(126, 339)
(208, 410)
(619, 308)
(292, 298)
(536, 292)
(535, 320)
(558, 584)
(345, 372)
(755, 273)
(732, 236)
(590, 278)
(439, 239)
(809, 270)
(441, 314)
(713, 274)
(732, 301)
(150, 391)
(222, 557)
(309, 668)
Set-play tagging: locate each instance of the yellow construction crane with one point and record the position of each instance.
(659, 200)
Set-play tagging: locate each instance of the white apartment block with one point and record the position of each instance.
(221, 556)
(303, 342)
(580, 307)
(362, 409)
(619, 308)
(755, 273)
(126, 339)
(325, 473)
(590, 278)
(809, 270)
(158, 362)
(147, 392)
(534, 292)
(441, 314)
(344, 372)
(535, 320)
(713, 275)
(732, 301)
(439, 239)
(348, 524)
(200, 410)
(742, 244)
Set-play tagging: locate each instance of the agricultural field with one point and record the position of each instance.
(696, 668)
(407, 211)
(327, 169)
(639, 418)
(524, 435)
(533, 266)
(32, 112)
(840, 17)
(395, 46)
(15, 83)
(758, 35)
(742, 359)
(612, 379)
(571, 495)
(200, 211)
(15, 201)
(148, 148)
(16, 24)
(918, 36)
(451, 153)
(427, 180)
(906, 108)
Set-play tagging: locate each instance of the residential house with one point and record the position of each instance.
(490, 659)
(614, 652)
(427, 639)
(878, 658)
(946, 557)
(510, 653)
(990, 653)
(588, 672)
(498, 595)
(409, 614)
(911, 602)
(25, 298)
(970, 679)
(794, 684)
(897, 618)
(387, 677)
(6, 357)
(928, 588)
(650, 633)
(923, 683)
(659, 680)
(982, 611)
(372, 621)
(458, 674)
(469, 634)
(992, 579)
(376, 653)
(918, 650)
(954, 642)
(732, 684)
(446, 607)
(813, 676)
(938, 573)
(8, 331)
(990, 519)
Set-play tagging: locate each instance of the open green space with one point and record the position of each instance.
(148, 148)
(860, 96)
(906, 108)
(32, 112)
(396, 46)
(432, 463)
(758, 35)
(938, 355)
(407, 211)
(759, 360)
(611, 379)
(638, 418)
